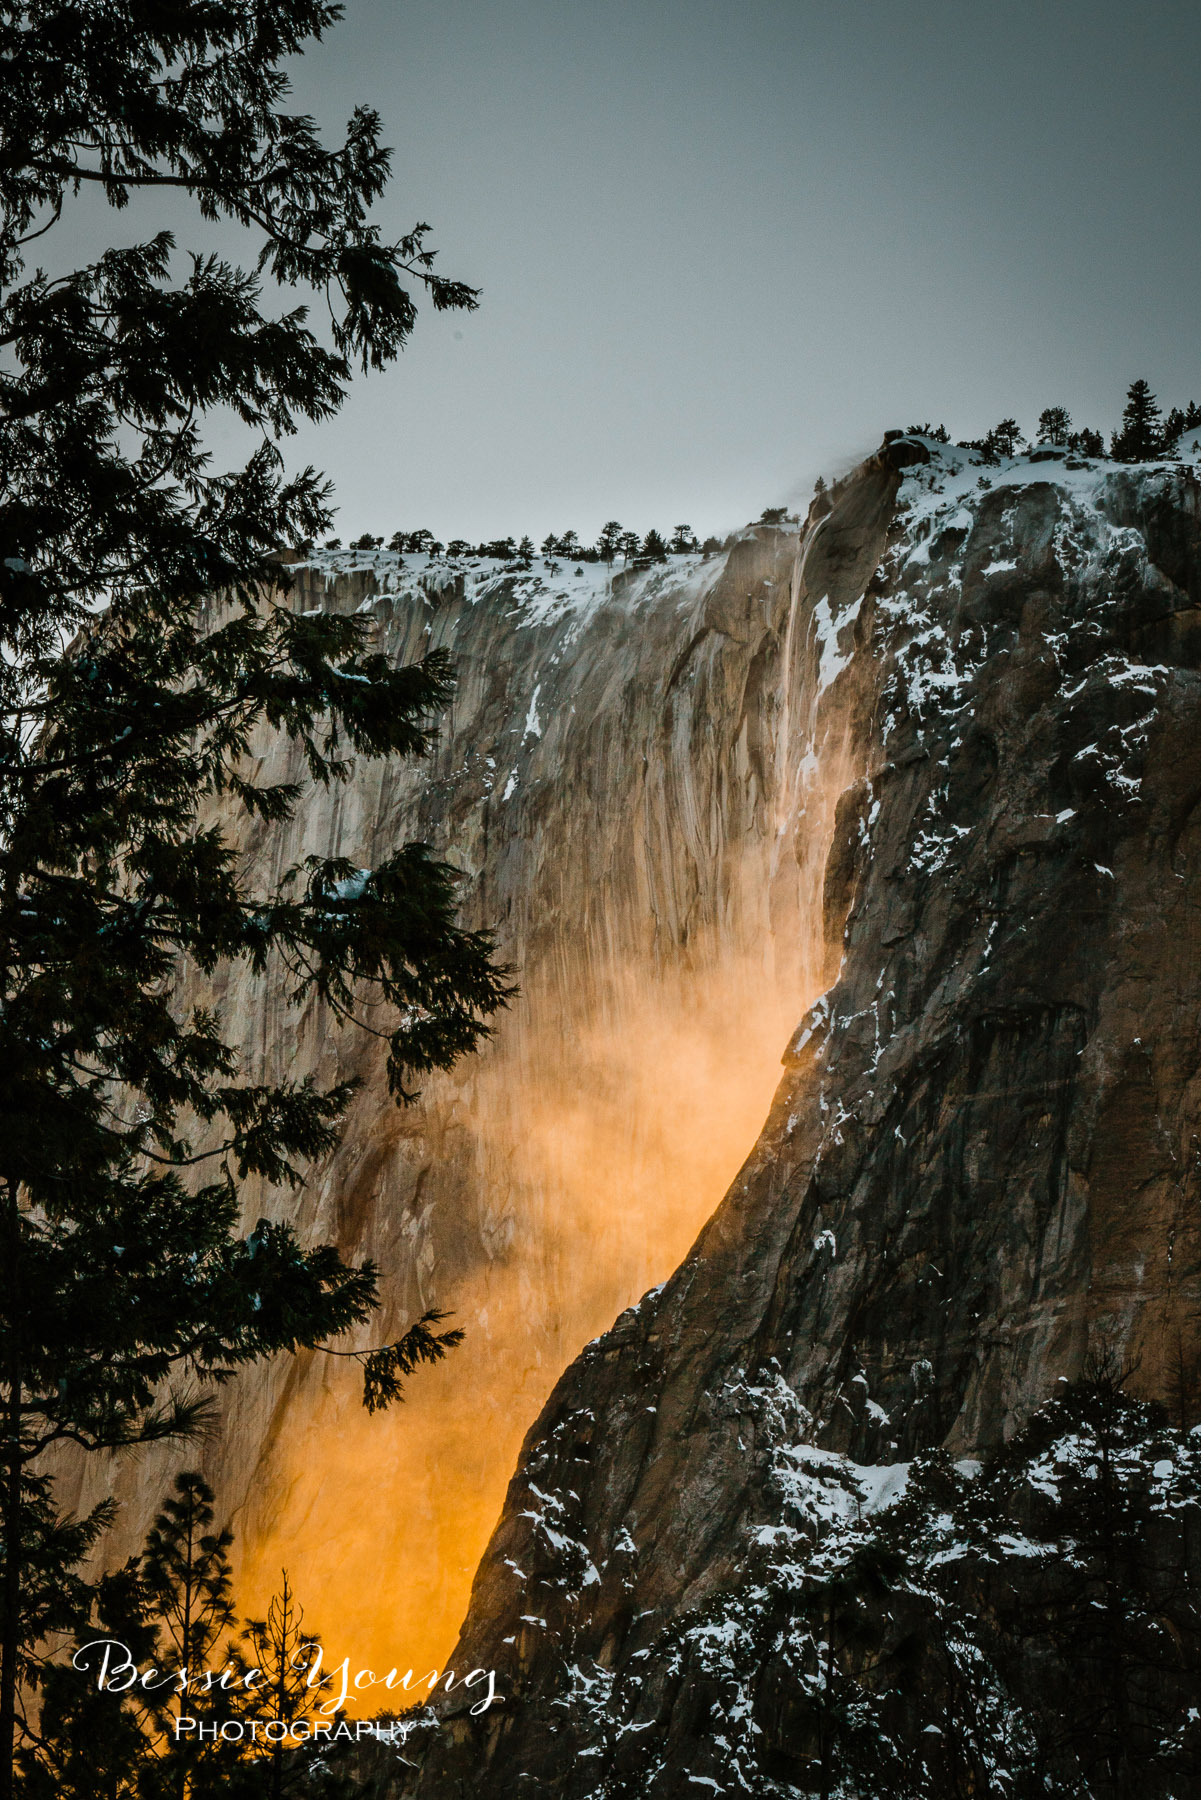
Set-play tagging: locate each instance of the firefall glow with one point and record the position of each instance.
(620, 1121)
(576, 1159)
(595, 1137)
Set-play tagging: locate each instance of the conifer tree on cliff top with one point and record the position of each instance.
(127, 702)
(1140, 435)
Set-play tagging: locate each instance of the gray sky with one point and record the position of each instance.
(723, 248)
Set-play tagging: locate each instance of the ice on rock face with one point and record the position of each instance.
(827, 631)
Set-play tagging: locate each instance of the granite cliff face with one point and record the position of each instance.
(983, 1159)
(638, 781)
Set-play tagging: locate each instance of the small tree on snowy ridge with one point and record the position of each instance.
(1141, 433)
(1054, 425)
(609, 541)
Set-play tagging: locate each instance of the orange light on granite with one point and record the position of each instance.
(619, 1101)
(625, 1128)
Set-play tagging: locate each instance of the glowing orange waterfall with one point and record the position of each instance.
(640, 787)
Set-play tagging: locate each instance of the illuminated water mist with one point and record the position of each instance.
(667, 924)
(616, 1111)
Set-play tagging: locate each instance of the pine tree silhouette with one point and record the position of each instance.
(1054, 425)
(1140, 436)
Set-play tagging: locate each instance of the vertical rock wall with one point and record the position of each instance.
(983, 1159)
(639, 784)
